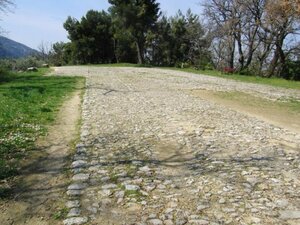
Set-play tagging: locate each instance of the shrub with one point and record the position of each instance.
(20, 64)
(24, 63)
(228, 70)
(4, 74)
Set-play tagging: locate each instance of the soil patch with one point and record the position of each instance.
(38, 195)
(282, 114)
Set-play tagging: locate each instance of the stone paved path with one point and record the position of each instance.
(150, 153)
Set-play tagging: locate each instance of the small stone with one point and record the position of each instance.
(244, 173)
(120, 194)
(181, 218)
(168, 222)
(80, 145)
(255, 220)
(169, 210)
(105, 192)
(93, 210)
(144, 193)
(75, 221)
(81, 150)
(172, 204)
(252, 181)
(74, 212)
(228, 210)
(109, 186)
(181, 221)
(167, 182)
(129, 187)
(145, 169)
(161, 187)
(149, 188)
(78, 186)
(155, 222)
(222, 201)
(254, 210)
(81, 177)
(282, 203)
(198, 222)
(152, 216)
(202, 207)
(74, 192)
(275, 180)
(73, 204)
(79, 164)
(190, 181)
(105, 179)
(289, 214)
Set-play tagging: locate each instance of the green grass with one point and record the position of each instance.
(29, 102)
(277, 82)
(289, 105)
(60, 214)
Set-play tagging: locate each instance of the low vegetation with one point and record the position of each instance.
(29, 102)
(273, 81)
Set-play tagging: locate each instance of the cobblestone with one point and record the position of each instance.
(151, 153)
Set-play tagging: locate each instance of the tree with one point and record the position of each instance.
(159, 43)
(198, 41)
(179, 40)
(60, 54)
(253, 35)
(91, 38)
(281, 21)
(223, 18)
(44, 50)
(6, 5)
(135, 18)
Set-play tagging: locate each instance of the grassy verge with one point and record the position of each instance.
(284, 114)
(277, 82)
(248, 100)
(29, 102)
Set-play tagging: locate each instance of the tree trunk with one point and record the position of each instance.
(241, 53)
(278, 55)
(139, 53)
(273, 64)
(232, 50)
(115, 50)
(251, 48)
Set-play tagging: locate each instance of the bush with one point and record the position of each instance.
(293, 71)
(228, 70)
(4, 74)
(24, 63)
(20, 64)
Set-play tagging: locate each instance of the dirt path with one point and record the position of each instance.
(151, 152)
(39, 193)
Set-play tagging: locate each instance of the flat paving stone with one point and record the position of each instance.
(156, 148)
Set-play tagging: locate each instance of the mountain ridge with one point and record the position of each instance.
(13, 49)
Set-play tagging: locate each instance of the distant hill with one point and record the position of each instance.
(13, 49)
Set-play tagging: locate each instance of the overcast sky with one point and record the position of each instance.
(36, 21)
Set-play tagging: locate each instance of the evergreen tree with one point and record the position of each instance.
(135, 18)
(91, 38)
